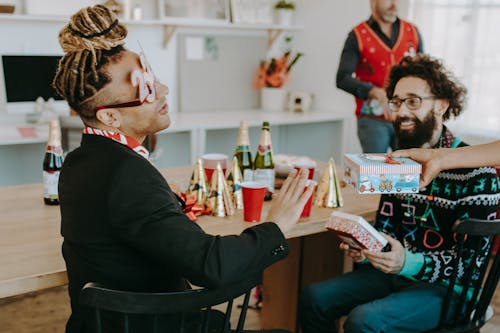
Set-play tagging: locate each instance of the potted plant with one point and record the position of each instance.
(270, 77)
(284, 12)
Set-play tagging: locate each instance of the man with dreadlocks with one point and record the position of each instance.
(122, 225)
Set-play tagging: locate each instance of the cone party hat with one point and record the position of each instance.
(234, 180)
(198, 183)
(220, 200)
(328, 193)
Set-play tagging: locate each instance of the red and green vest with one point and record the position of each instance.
(376, 58)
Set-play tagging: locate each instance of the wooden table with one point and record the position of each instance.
(30, 247)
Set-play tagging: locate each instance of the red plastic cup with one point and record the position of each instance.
(309, 166)
(253, 200)
(306, 212)
(210, 164)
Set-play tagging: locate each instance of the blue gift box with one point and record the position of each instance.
(380, 173)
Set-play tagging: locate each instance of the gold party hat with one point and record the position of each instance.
(328, 193)
(340, 200)
(198, 183)
(220, 198)
(234, 180)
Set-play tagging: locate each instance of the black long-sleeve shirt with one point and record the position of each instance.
(123, 228)
(350, 59)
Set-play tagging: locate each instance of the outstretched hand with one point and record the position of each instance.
(289, 203)
(429, 158)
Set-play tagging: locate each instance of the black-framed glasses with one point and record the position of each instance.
(412, 103)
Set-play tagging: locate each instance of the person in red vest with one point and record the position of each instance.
(370, 50)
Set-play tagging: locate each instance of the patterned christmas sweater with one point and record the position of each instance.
(423, 222)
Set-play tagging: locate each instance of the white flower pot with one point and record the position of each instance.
(284, 17)
(273, 99)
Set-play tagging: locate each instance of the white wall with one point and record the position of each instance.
(326, 25)
(34, 37)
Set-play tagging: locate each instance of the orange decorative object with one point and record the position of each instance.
(390, 160)
(274, 73)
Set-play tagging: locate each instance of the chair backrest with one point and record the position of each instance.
(181, 304)
(478, 281)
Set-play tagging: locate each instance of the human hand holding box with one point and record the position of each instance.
(355, 231)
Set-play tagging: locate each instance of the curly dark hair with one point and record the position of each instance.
(443, 84)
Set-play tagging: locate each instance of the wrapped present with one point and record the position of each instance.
(328, 193)
(234, 180)
(380, 173)
(355, 231)
(192, 208)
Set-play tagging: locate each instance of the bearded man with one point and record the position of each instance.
(402, 290)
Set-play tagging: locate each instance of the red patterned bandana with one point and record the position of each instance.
(123, 139)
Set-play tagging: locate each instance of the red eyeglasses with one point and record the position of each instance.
(138, 102)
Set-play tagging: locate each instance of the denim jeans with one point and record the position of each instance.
(373, 301)
(375, 135)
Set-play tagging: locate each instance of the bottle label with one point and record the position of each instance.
(372, 107)
(50, 181)
(265, 176)
(263, 149)
(57, 150)
(247, 175)
(242, 148)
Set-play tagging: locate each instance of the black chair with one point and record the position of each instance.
(466, 311)
(181, 305)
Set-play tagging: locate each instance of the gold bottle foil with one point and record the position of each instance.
(54, 133)
(234, 180)
(198, 183)
(326, 195)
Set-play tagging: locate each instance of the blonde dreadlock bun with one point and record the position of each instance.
(92, 28)
(91, 39)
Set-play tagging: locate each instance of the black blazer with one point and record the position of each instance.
(123, 227)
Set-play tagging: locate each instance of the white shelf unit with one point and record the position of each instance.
(172, 24)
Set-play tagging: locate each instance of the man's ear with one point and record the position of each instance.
(109, 117)
(441, 106)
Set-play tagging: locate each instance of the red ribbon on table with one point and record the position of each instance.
(193, 209)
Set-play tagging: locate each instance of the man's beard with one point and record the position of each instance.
(389, 18)
(419, 135)
(388, 15)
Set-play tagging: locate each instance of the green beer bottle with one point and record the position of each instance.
(264, 165)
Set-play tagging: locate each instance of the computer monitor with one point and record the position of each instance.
(25, 78)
